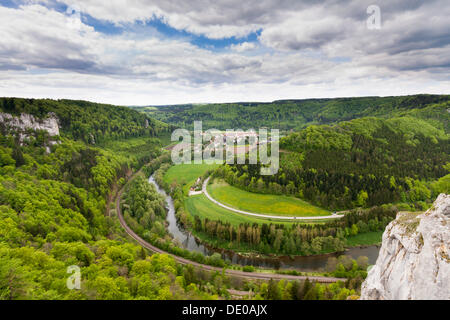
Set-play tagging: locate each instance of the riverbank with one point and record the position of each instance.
(245, 251)
(228, 272)
(194, 241)
(316, 262)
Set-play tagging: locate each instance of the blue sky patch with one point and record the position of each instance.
(198, 40)
(151, 27)
(11, 4)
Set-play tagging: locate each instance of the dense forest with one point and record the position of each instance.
(287, 114)
(87, 121)
(360, 163)
(54, 205)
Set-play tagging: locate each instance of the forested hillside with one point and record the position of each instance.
(363, 162)
(53, 208)
(87, 121)
(288, 114)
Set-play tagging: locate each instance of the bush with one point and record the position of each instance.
(215, 260)
(248, 269)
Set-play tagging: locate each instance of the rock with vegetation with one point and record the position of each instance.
(414, 260)
(27, 121)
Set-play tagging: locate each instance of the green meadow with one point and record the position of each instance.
(200, 206)
(262, 203)
(187, 174)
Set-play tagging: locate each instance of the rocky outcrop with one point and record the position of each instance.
(21, 125)
(28, 121)
(414, 259)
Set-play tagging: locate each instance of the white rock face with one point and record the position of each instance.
(414, 259)
(27, 121)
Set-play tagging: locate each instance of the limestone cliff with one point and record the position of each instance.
(414, 259)
(20, 126)
(27, 121)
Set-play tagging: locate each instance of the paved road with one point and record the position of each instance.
(228, 272)
(336, 216)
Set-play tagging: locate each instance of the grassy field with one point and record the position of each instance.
(187, 174)
(200, 206)
(363, 239)
(262, 203)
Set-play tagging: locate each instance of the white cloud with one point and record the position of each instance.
(244, 46)
(315, 50)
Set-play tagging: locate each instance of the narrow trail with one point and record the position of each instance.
(205, 183)
(228, 272)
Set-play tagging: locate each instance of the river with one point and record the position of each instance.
(309, 263)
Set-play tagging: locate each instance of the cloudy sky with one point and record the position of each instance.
(144, 52)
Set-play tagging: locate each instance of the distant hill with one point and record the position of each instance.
(288, 114)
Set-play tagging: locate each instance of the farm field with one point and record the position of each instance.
(187, 174)
(202, 207)
(262, 203)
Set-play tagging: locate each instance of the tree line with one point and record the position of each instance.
(297, 239)
(288, 115)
